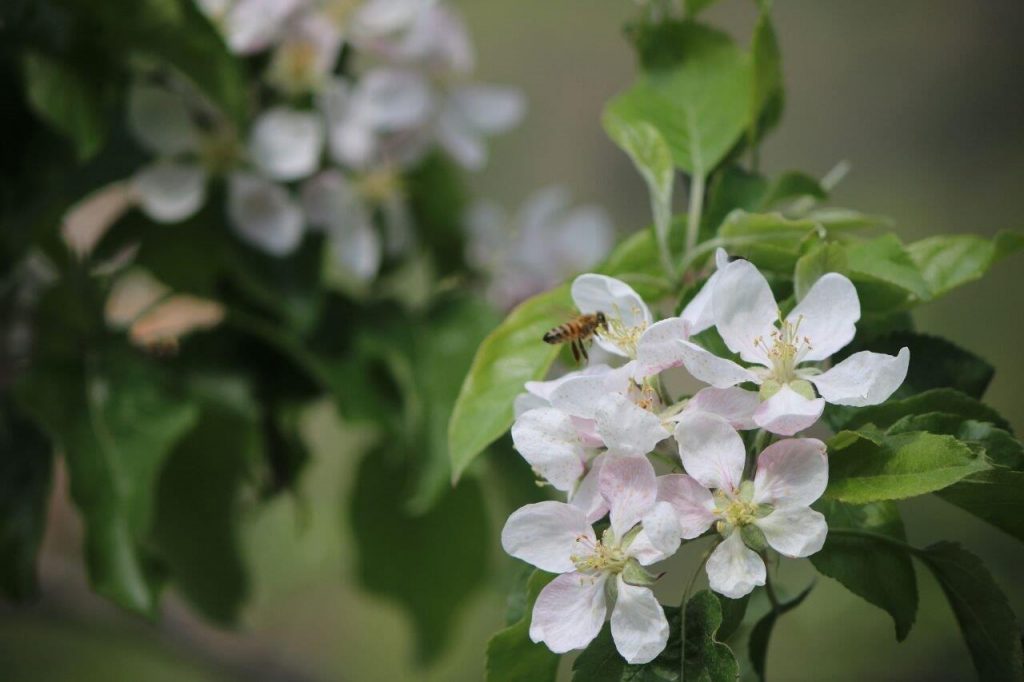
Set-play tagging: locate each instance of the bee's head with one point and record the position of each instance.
(602, 321)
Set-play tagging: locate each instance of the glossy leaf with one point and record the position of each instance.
(885, 260)
(706, 658)
(988, 624)
(873, 467)
(511, 655)
(700, 103)
(878, 572)
(949, 261)
(946, 400)
(820, 260)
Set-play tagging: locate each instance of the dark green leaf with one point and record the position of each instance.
(770, 240)
(945, 400)
(821, 259)
(115, 423)
(26, 468)
(706, 658)
(437, 199)
(733, 612)
(872, 467)
(793, 185)
(699, 102)
(762, 632)
(399, 555)
(879, 572)
(988, 624)
(512, 656)
(730, 188)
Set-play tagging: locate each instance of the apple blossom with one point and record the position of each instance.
(772, 510)
(748, 319)
(558, 538)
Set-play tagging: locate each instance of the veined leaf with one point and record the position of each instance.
(945, 400)
(949, 261)
(879, 572)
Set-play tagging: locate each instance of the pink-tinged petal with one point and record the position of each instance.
(547, 440)
(627, 428)
(616, 299)
(639, 626)
(693, 503)
(791, 473)
(658, 349)
(581, 394)
(569, 612)
(788, 412)
(745, 310)
(735, 405)
(699, 312)
(630, 488)
(711, 450)
(586, 430)
(587, 495)
(795, 532)
(827, 316)
(711, 369)
(659, 536)
(547, 534)
(734, 570)
(864, 378)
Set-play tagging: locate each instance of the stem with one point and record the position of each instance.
(695, 209)
(769, 589)
(682, 612)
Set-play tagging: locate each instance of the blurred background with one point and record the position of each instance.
(925, 98)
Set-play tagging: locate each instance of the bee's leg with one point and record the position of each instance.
(583, 351)
(575, 352)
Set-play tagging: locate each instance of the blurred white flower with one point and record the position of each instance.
(334, 205)
(547, 241)
(286, 144)
(264, 214)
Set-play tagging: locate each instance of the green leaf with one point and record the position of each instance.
(731, 187)
(510, 356)
(512, 656)
(935, 363)
(770, 240)
(706, 657)
(762, 632)
(438, 200)
(877, 571)
(949, 261)
(26, 469)
(821, 259)
(793, 185)
(116, 423)
(653, 159)
(695, 7)
(988, 624)
(874, 467)
(198, 498)
(885, 260)
(430, 564)
(766, 92)
(733, 612)
(700, 102)
(72, 103)
(946, 400)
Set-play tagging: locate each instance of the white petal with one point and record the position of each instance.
(693, 503)
(350, 135)
(630, 488)
(627, 428)
(864, 378)
(525, 402)
(569, 612)
(381, 17)
(699, 312)
(461, 140)
(330, 200)
(794, 532)
(393, 100)
(545, 389)
(745, 310)
(253, 25)
(711, 369)
(734, 404)
(306, 54)
(581, 394)
(827, 315)
(616, 299)
(160, 121)
(286, 144)
(788, 412)
(547, 534)
(791, 473)
(587, 495)
(169, 192)
(357, 249)
(546, 438)
(639, 626)
(489, 109)
(658, 348)
(711, 450)
(659, 536)
(264, 214)
(581, 239)
(734, 570)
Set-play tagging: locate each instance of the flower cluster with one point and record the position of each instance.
(327, 148)
(592, 434)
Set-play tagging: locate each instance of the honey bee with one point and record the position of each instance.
(577, 331)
